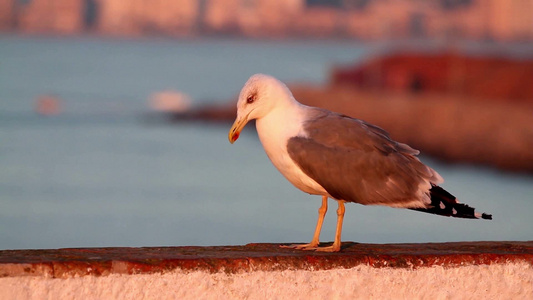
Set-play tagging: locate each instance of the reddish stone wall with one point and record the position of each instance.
(64, 263)
(487, 270)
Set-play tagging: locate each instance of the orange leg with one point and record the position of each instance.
(337, 243)
(313, 245)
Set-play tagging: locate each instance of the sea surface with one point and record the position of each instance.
(103, 173)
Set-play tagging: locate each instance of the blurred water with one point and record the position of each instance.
(101, 175)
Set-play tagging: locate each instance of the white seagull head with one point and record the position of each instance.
(259, 96)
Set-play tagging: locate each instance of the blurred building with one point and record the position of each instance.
(43, 16)
(6, 15)
(366, 19)
(251, 17)
(136, 17)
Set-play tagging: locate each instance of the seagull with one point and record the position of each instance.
(335, 156)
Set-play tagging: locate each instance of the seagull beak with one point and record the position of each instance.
(236, 129)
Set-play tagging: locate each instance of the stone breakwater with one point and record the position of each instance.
(254, 271)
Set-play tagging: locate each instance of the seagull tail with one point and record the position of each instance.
(445, 204)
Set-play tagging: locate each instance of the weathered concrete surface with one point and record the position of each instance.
(68, 263)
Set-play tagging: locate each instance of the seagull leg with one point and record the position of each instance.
(337, 243)
(315, 241)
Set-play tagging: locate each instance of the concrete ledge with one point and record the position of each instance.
(65, 263)
(485, 270)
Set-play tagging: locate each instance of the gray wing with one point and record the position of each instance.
(358, 162)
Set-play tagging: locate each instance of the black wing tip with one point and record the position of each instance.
(445, 204)
(486, 216)
(446, 213)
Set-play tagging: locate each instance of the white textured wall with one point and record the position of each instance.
(503, 281)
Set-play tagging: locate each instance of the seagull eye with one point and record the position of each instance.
(250, 99)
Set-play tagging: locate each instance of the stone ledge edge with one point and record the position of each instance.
(67, 263)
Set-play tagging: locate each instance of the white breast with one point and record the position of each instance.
(274, 131)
